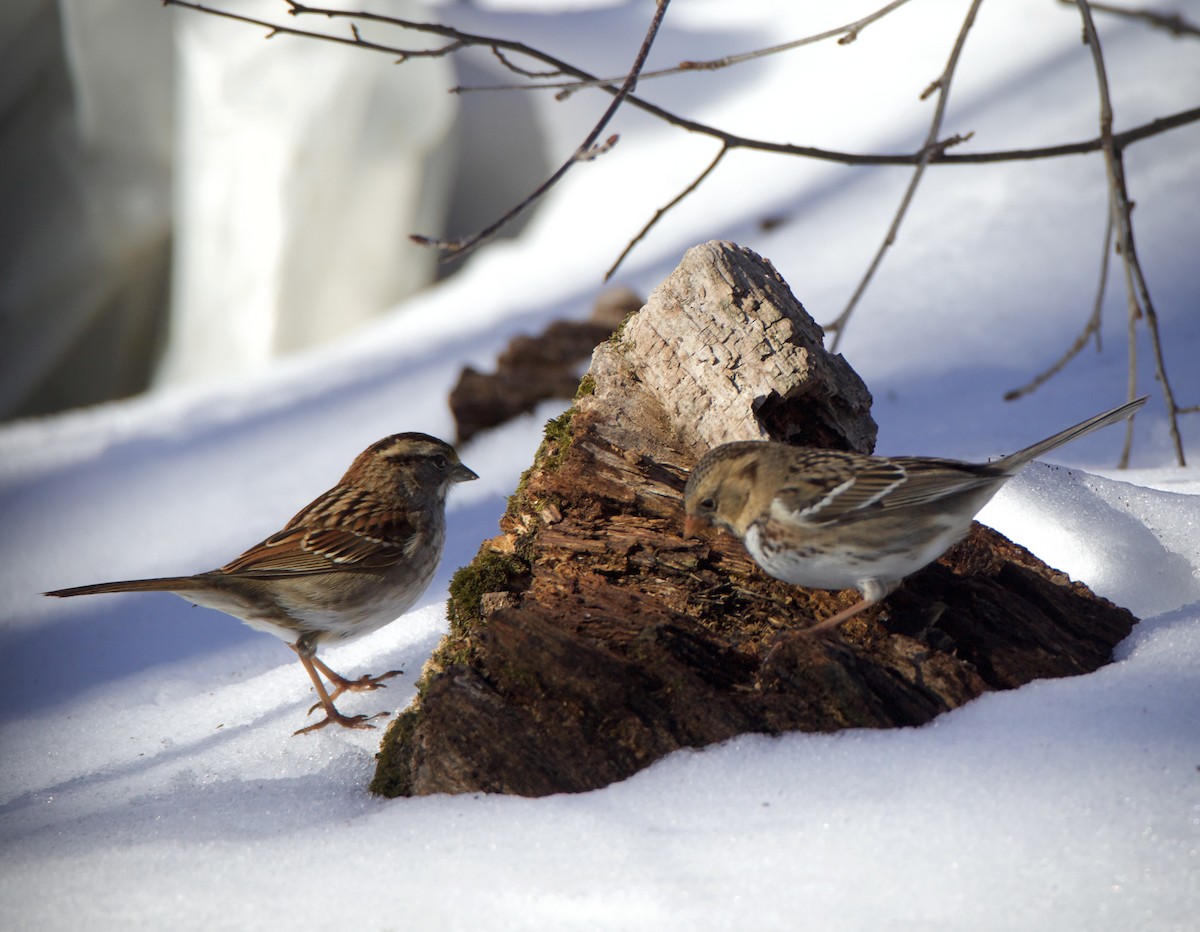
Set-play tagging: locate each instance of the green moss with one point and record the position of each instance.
(488, 572)
(393, 770)
(587, 386)
(619, 334)
(550, 455)
(556, 441)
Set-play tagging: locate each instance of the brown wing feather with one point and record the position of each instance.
(840, 488)
(931, 480)
(854, 486)
(342, 530)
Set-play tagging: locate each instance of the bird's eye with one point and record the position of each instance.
(440, 461)
(707, 504)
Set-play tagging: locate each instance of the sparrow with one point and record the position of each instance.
(350, 562)
(827, 519)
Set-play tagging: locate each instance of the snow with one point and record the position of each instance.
(148, 772)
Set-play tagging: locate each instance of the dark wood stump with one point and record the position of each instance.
(589, 639)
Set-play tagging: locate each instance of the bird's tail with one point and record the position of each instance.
(163, 584)
(1014, 461)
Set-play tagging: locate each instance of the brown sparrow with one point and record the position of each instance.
(832, 520)
(355, 559)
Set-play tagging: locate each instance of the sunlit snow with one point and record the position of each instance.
(148, 776)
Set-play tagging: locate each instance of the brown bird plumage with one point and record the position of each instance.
(353, 560)
(826, 519)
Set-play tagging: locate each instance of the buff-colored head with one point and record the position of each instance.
(725, 488)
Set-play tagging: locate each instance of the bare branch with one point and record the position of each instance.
(516, 69)
(1090, 329)
(1153, 128)
(1137, 291)
(931, 147)
(586, 151)
(731, 140)
(599, 149)
(1174, 23)
(274, 29)
(844, 34)
(934, 150)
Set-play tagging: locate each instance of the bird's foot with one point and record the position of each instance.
(334, 717)
(361, 685)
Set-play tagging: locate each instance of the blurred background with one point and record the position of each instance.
(176, 205)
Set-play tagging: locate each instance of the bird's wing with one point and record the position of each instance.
(839, 489)
(365, 536)
(864, 485)
(929, 480)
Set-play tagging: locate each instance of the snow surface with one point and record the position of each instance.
(148, 772)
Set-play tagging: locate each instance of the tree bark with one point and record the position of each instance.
(589, 639)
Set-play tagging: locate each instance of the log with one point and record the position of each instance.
(589, 638)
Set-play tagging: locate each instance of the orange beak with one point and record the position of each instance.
(694, 526)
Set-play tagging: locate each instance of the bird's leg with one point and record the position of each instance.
(844, 615)
(332, 715)
(341, 684)
(873, 591)
(795, 634)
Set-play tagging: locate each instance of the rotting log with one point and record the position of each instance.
(589, 639)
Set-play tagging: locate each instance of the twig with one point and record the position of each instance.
(845, 35)
(586, 151)
(838, 326)
(355, 39)
(662, 211)
(1174, 23)
(1090, 329)
(1131, 374)
(1117, 213)
(933, 152)
(731, 140)
(1137, 291)
(1146, 130)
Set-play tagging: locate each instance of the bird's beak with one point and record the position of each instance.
(461, 473)
(695, 526)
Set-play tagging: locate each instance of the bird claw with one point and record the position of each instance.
(365, 683)
(336, 718)
(362, 684)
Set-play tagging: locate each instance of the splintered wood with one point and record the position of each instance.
(723, 345)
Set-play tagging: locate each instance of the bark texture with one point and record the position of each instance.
(589, 638)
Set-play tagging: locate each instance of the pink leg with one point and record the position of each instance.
(844, 615)
(362, 684)
(332, 715)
